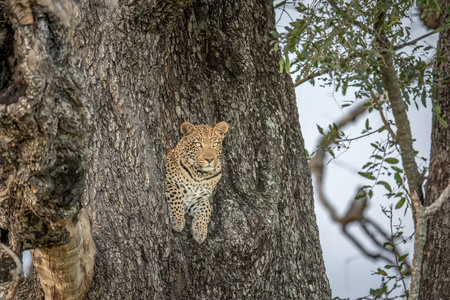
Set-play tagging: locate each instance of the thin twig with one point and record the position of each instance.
(361, 136)
(282, 12)
(371, 234)
(386, 237)
(394, 249)
(353, 21)
(385, 122)
(397, 47)
(309, 77)
(17, 273)
(323, 71)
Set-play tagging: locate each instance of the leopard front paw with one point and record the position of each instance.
(199, 232)
(199, 237)
(178, 225)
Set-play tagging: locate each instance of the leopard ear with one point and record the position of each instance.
(221, 128)
(187, 128)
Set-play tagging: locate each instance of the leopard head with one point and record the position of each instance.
(203, 145)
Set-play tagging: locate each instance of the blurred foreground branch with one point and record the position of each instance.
(16, 274)
(355, 212)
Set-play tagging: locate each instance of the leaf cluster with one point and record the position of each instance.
(340, 43)
(337, 38)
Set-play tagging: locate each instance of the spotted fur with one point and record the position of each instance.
(193, 170)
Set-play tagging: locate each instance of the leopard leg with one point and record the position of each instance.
(176, 208)
(200, 222)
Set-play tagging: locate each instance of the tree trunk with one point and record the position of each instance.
(150, 66)
(435, 270)
(45, 121)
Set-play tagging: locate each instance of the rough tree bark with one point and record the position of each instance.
(150, 66)
(45, 119)
(150, 69)
(435, 271)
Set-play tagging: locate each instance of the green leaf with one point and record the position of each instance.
(443, 27)
(301, 7)
(275, 34)
(344, 87)
(367, 175)
(402, 258)
(360, 196)
(424, 98)
(287, 65)
(397, 169)
(367, 164)
(281, 65)
(280, 4)
(381, 272)
(398, 178)
(335, 133)
(331, 152)
(391, 160)
(400, 203)
(437, 109)
(389, 266)
(442, 121)
(320, 129)
(386, 185)
(387, 244)
(443, 59)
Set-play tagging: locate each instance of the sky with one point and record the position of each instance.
(349, 272)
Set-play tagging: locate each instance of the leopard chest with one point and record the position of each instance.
(196, 190)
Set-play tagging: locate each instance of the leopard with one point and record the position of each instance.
(193, 169)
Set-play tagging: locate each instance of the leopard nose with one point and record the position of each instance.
(209, 160)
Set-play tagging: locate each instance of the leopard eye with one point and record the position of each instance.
(198, 144)
(216, 144)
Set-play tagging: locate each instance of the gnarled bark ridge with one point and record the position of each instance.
(66, 272)
(45, 120)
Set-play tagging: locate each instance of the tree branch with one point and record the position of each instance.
(420, 237)
(392, 86)
(397, 47)
(16, 274)
(431, 210)
(309, 77)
